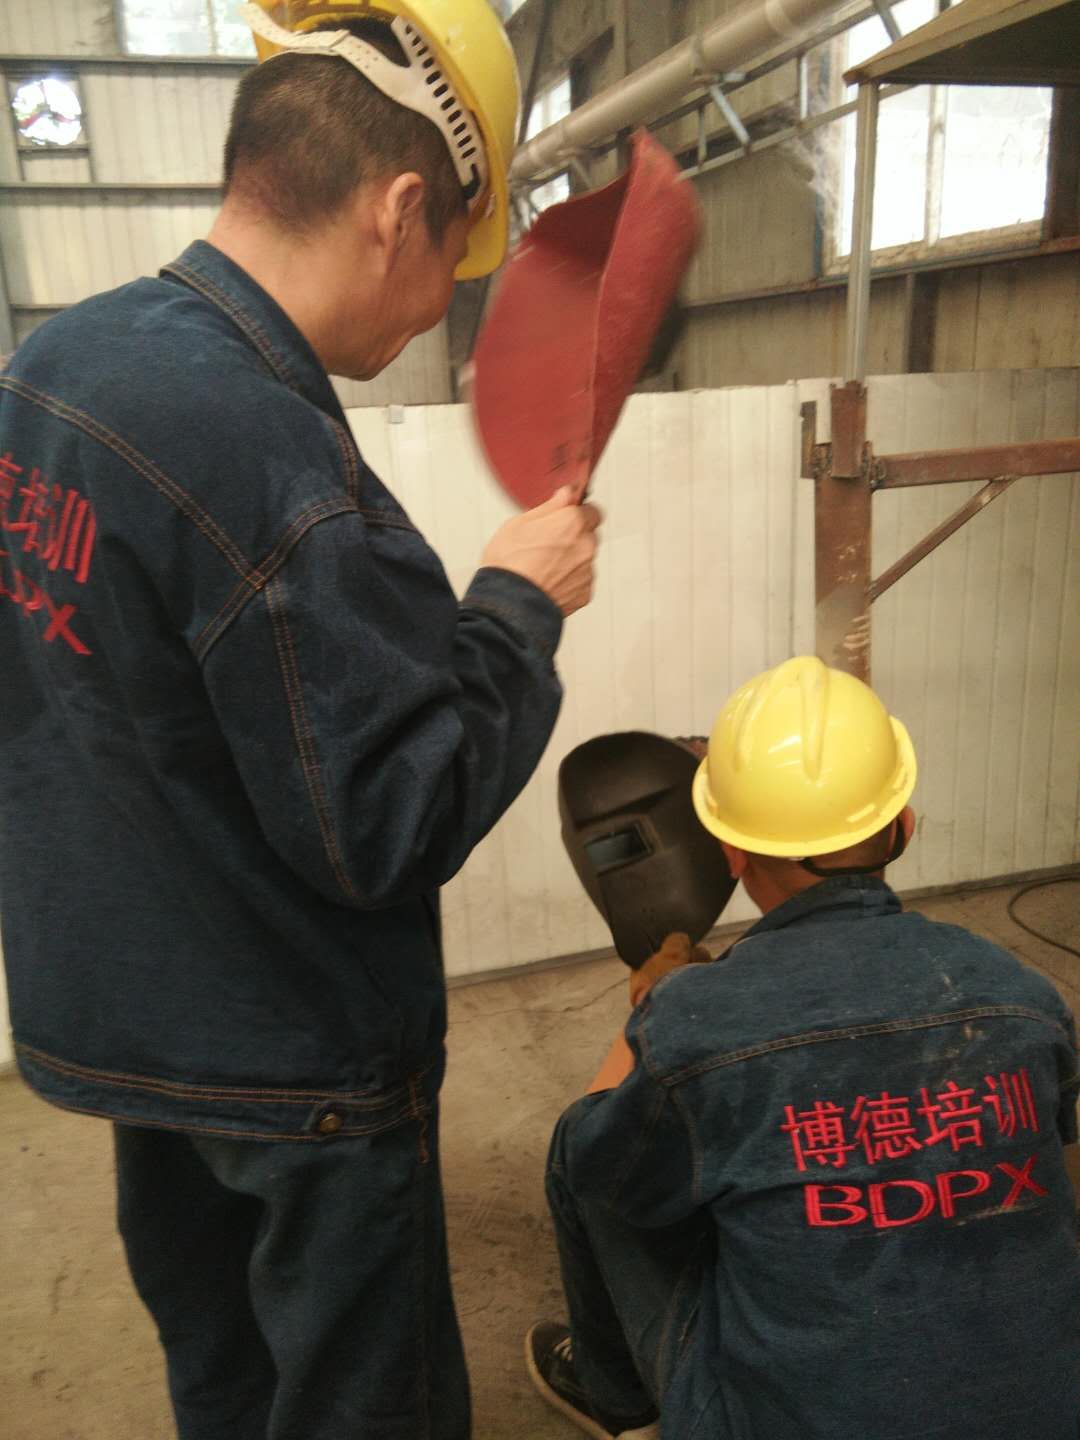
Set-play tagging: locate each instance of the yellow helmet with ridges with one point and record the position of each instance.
(803, 761)
(461, 74)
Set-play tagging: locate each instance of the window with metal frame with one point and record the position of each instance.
(552, 104)
(954, 162)
(183, 27)
(47, 112)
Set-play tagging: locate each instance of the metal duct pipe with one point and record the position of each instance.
(706, 56)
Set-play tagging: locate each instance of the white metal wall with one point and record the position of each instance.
(979, 648)
(706, 578)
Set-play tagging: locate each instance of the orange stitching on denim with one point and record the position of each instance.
(325, 820)
(349, 455)
(139, 463)
(264, 572)
(321, 510)
(189, 1129)
(419, 1112)
(304, 740)
(194, 1129)
(243, 321)
(352, 1099)
(851, 1032)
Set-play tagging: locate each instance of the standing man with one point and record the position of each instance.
(247, 731)
(821, 1193)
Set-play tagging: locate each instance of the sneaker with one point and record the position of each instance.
(550, 1361)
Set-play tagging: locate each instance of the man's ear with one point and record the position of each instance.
(404, 203)
(736, 860)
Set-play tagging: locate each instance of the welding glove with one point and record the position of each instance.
(675, 952)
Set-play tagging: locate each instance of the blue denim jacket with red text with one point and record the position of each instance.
(246, 730)
(868, 1110)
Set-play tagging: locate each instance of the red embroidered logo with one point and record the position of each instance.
(59, 527)
(889, 1127)
(888, 1204)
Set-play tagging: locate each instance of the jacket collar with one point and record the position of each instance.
(261, 320)
(847, 897)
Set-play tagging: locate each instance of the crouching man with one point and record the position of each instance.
(818, 1192)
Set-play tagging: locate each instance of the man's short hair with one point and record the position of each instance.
(306, 130)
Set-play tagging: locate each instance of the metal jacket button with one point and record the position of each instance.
(330, 1124)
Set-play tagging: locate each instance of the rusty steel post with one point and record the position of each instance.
(842, 530)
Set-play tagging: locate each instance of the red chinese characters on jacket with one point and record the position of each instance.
(44, 528)
(962, 1119)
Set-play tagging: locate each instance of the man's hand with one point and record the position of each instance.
(554, 546)
(675, 952)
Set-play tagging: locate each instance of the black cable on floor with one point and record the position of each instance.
(1042, 885)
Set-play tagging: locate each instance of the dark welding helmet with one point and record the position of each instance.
(629, 826)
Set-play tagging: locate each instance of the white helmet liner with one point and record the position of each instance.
(420, 85)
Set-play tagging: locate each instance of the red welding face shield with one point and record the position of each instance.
(629, 827)
(578, 310)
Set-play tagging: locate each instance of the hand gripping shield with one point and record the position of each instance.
(629, 827)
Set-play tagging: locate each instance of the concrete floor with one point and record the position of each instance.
(80, 1359)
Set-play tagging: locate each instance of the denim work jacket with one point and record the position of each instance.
(864, 1112)
(246, 731)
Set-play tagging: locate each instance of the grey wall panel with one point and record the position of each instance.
(60, 249)
(419, 376)
(155, 125)
(54, 167)
(57, 27)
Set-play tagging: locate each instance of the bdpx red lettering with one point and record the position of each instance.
(815, 1205)
(882, 1221)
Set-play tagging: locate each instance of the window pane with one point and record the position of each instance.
(553, 193)
(900, 181)
(996, 142)
(232, 35)
(185, 27)
(167, 27)
(551, 105)
(47, 112)
(903, 140)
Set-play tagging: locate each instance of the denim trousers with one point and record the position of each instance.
(632, 1293)
(301, 1292)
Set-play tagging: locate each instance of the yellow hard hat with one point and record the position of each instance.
(803, 761)
(461, 74)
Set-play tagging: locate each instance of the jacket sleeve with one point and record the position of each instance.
(633, 1148)
(379, 728)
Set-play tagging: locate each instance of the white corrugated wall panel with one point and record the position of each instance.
(158, 124)
(419, 376)
(979, 647)
(54, 167)
(61, 248)
(694, 595)
(706, 577)
(57, 27)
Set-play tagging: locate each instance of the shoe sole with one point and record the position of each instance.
(590, 1427)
